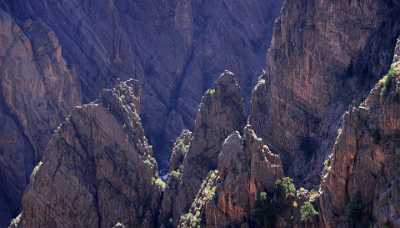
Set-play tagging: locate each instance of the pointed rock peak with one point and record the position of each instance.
(226, 84)
(126, 93)
(245, 167)
(113, 176)
(226, 78)
(179, 150)
(232, 153)
(220, 114)
(249, 133)
(234, 138)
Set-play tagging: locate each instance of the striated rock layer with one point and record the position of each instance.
(361, 187)
(175, 48)
(37, 91)
(98, 169)
(324, 56)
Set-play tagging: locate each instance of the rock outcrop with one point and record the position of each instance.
(98, 169)
(175, 48)
(361, 187)
(324, 56)
(179, 152)
(220, 114)
(246, 167)
(37, 91)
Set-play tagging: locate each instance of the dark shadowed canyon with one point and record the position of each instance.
(193, 113)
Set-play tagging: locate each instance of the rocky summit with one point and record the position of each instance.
(98, 169)
(150, 114)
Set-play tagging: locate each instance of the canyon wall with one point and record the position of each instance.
(174, 48)
(324, 56)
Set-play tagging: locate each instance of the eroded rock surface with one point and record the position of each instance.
(324, 56)
(179, 152)
(37, 91)
(246, 167)
(175, 48)
(98, 169)
(220, 114)
(361, 186)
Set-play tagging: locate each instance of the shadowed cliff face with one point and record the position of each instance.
(175, 48)
(324, 56)
(37, 91)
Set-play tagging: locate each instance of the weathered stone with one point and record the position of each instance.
(220, 114)
(37, 91)
(324, 56)
(246, 168)
(98, 169)
(179, 151)
(361, 186)
(175, 48)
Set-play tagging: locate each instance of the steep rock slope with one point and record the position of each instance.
(98, 170)
(246, 167)
(178, 155)
(174, 48)
(324, 56)
(220, 114)
(37, 90)
(361, 187)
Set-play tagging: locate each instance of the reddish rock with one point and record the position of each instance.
(246, 168)
(37, 91)
(324, 56)
(361, 186)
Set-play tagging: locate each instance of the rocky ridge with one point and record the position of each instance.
(220, 113)
(246, 167)
(226, 175)
(174, 48)
(98, 169)
(361, 185)
(57, 54)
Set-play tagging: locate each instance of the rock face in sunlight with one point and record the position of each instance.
(98, 169)
(220, 114)
(175, 48)
(37, 90)
(362, 184)
(316, 146)
(246, 167)
(324, 56)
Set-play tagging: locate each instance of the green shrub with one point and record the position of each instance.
(307, 212)
(159, 182)
(385, 81)
(175, 174)
(286, 187)
(190, 220)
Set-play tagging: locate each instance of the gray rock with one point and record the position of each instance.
(220, 114)
(175, 48)
(37, 91)
(98, 169)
